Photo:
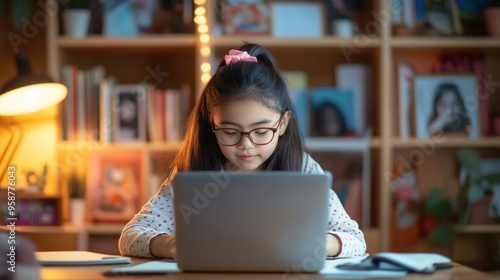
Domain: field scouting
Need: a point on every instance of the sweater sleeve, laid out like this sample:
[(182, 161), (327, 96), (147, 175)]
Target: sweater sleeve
[(156, 217), (339, 222), (341, 225)]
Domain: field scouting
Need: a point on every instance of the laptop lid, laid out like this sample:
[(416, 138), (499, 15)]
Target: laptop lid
[(259, 221)]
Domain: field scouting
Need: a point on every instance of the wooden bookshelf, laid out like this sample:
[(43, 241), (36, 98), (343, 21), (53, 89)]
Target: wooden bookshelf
[(180, 56)]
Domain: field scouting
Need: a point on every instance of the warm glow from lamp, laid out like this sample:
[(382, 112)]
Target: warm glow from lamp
[(29, 93), (31, 98), (25, 94), (199, 2)]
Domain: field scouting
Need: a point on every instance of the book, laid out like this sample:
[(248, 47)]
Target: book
[(406, 262), (405, 83), (297, 83), (357, 78), (70, 258), (151, 267)]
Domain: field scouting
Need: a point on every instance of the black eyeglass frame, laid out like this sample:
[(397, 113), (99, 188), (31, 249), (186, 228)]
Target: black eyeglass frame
[(247, 133)]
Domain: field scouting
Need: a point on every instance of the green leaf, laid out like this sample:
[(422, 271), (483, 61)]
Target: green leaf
[(462, 200), (443, 235), (433, 198), (468, 158), (476, 192), (493, 178), (441, 210)]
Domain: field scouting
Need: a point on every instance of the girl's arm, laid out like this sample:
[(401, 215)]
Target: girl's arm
[(153, 226), (340, 225), (344, 237)]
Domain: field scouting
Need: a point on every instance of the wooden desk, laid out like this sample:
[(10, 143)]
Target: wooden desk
[(458, 272)]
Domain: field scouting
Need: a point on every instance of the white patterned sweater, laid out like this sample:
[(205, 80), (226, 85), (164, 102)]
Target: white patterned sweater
[(157, 217)]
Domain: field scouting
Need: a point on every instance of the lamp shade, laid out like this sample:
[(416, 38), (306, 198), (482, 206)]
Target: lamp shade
[(28, 93)]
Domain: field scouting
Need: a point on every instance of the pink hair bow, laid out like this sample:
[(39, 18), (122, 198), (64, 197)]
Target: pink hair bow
[(236, 55)]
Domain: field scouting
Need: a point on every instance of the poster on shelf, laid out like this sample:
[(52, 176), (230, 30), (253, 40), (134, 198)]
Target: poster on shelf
[(446, 104), (333, 112), (114, 185), (297, 19), (245, 17)]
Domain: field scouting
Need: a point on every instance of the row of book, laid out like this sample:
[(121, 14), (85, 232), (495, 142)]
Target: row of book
[(99, 108)]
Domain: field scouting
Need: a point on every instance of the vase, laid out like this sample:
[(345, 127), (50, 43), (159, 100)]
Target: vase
[(492, 19), (76, 22), (77, 211)]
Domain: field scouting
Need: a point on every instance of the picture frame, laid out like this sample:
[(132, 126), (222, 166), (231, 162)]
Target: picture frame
[(247, 18), (129, 113), (114, 185), (297, 19), (446, 104), (332, 112)]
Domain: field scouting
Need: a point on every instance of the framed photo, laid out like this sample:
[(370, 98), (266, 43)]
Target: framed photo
[(114, 185), (239, 17), (129, 113), (332, 112), (297, 19), (446, 104)]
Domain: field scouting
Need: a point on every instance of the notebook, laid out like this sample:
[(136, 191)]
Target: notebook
[(63, 258), (251, 222)]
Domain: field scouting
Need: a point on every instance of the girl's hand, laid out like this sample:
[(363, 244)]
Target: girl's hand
[(163, 246), (333, 245)]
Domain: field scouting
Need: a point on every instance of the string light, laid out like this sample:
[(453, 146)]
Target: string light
[(204, 39)]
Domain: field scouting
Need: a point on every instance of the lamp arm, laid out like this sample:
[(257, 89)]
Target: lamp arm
[(12, 145)]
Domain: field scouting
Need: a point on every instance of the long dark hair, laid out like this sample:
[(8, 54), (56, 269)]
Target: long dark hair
[(239, 81)]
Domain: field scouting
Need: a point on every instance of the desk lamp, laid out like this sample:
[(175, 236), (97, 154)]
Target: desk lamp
[(26, 93)]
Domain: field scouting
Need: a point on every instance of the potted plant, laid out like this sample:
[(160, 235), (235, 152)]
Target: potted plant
[(76, 188), (438, 219), (76, 18), (476, 190)]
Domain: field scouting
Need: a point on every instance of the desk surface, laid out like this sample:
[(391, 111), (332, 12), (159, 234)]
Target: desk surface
[(458, 272)]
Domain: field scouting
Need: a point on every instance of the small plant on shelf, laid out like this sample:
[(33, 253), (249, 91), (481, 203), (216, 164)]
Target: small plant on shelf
[(438, 219), (76, 186), (476, 186)]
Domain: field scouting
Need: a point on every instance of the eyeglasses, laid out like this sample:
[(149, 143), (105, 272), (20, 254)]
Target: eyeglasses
[(258, 136)]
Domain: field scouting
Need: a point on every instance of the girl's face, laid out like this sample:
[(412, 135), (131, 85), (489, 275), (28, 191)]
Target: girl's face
[(447, 104), (245, 116)]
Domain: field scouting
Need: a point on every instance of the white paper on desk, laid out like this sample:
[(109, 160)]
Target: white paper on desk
[(162, 266), (333, 272)]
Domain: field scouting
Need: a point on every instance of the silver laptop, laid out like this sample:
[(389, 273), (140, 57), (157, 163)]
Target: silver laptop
[(251, 222)]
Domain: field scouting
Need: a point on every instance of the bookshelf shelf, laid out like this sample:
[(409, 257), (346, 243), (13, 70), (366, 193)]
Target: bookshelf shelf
[(493, 228), (341, 144), (449, 142), (69, 146), (329, 42), (444, 42), (140, 42)]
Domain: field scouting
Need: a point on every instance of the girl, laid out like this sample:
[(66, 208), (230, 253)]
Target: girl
[(243, 121)]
